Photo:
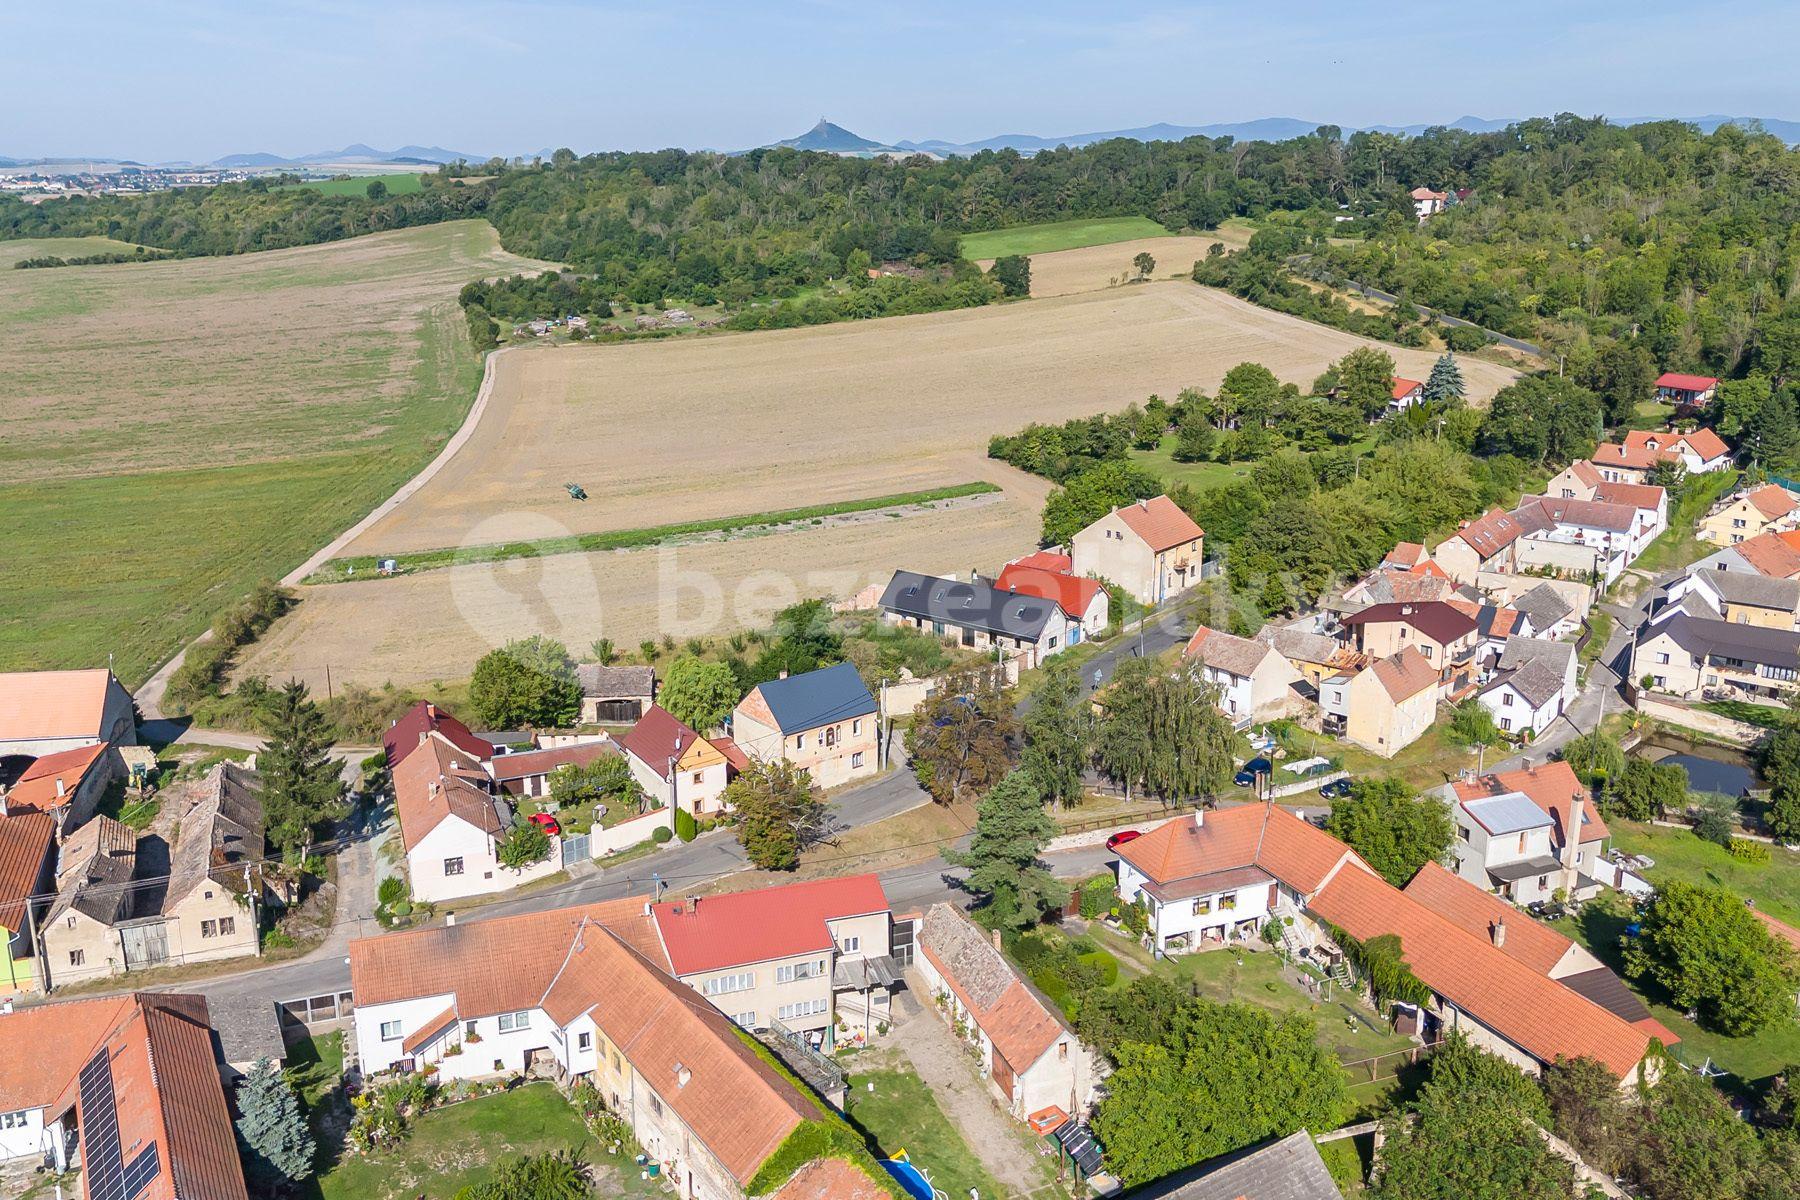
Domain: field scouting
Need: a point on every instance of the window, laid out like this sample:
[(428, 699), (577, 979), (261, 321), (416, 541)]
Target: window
[(77, 957), (469, 1029), (724, 985), (805, 1008), (1203, 906), (1506, 724), (851, 945), (516, 1020), (584, 1041), (805, 970), (453, 866), (1228, 902), (13, 1120), (390, 1031), (856, 727), (1462, 831), (209, 929), (1738, 522), (745, 1019), (1426, 648), (227, 926), (699, 778), (856, 760), (71, 920), (655, 1104), (1662, 658), (209, 893), (1062, 1050), (799, 741), (1506, 699)]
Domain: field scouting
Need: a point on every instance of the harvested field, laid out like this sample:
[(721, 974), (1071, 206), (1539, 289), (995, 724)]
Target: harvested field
[(1096, 268), (178, 430), (659, 432), (21, 249)]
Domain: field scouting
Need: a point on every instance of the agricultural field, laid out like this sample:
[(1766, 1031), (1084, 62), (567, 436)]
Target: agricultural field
[(358, 185), (1091, 267), (70, 247), (177, 430), (1058, 235), (672, 431)]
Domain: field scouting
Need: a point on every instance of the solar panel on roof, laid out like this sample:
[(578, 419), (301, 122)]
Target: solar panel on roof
[(142, 1171), (101, 1162)]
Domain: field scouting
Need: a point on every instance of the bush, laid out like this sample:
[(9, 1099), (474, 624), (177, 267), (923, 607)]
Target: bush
[(1098, 897), (685, 828), (661, 835), (1104, 964), (1747, 851)]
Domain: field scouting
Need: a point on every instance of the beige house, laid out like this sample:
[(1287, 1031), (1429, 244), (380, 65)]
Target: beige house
[(1743, 598), (1685, 651), (1484, 544), (1315, 656), (1029, 1056), (1253, 678), (1446, 635), (1391, 704), (824, 721), (42, 712), (807, 957), (675, 766), (1152, 549), (1762, 509)]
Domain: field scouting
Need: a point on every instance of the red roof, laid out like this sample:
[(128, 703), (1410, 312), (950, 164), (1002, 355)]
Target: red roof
[(405, 735), (1160, 522), (1771, 501), (1406, 555), (1636, 495), (542, 762), (1071, 593), (36, 789), (24, 846), (1045, 560), (739, 928), (1405, 387), (657, 738), (1298, 854), (1686, 383), (734, 756), (1469, 908), (1550, 787)]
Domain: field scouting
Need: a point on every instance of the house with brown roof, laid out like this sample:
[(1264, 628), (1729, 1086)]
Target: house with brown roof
[(676, 767), (1770, 553), (1315, 655), (1253, 678), (1025, 1049), (1699, 451), (422, 720), (27, 870), (1386, 706), (615, 695), (1739, 517), (1446, 634), (1151, 548), (42, 712), (527, 772), (451, 825), (585, 993), (1484, 544), (1507, 993), (128, 1085), (65, 784)]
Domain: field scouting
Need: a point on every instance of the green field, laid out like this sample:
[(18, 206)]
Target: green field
[(179, 430), (357, 185), (1197, 475), (896, 1111), (62, 247), (1059, 235)]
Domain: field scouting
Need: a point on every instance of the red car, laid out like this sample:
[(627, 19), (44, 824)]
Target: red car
[(547, 823), (1120, 838)]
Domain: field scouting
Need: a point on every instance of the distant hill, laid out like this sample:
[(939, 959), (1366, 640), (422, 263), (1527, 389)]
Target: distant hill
[(833, 139), (356, 152)]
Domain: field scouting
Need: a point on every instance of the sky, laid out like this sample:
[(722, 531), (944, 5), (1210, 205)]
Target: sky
[(161, 80)]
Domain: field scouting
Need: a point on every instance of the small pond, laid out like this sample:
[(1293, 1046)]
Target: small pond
[(1709, 768)]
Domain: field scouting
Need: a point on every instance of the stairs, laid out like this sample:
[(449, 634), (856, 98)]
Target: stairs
[(1341, 974)]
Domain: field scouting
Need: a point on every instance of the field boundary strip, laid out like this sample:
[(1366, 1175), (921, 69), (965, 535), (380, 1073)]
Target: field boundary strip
[(358, 567)]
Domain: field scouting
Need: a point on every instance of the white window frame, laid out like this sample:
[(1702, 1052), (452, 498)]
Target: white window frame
[(513, 1021), (391, 1031)]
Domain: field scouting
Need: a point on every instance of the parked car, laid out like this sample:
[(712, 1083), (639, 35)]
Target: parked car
[(1253, 768), (1336, 789), (547, 823), (1124, 835)]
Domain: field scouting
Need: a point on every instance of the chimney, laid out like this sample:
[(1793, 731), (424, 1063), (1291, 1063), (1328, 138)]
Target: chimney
[(996, 936), (646, 908), (1572, 841), (693, 904), (431, 710), (1498, 932), (784, 672), (1199, 817), (449, 920)]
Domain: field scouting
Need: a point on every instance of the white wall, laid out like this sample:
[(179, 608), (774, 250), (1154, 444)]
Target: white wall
[(629, 833), (482, 873), (25, 1139)]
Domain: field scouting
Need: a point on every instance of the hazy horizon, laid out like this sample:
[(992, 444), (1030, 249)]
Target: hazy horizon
[(200, 79)]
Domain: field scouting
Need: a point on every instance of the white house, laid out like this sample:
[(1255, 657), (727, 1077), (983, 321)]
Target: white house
[(1027, 1053), (1533, 685), (1512, 833), (1083, 601), (1427, 203), (675, 766), (451, 827), (1253, 677), (1152, 549)]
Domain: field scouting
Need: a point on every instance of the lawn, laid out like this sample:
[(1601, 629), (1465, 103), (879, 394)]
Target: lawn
[(1678, 546), (1198, 475), (183, 429), (1059, 235), (357, 185), (451, 1148), (902, 1114), (1679, 855), (1429, 762)]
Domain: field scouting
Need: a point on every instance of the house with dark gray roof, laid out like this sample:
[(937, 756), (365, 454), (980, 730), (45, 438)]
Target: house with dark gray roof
[(1533, 684), (615, 695), (1739, 597), (824, 721), (1686, 651), (1547, 611), (977, 615), (1286, 1169)]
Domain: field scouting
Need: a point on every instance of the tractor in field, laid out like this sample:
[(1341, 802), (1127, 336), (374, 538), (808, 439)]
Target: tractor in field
[(576, 491)]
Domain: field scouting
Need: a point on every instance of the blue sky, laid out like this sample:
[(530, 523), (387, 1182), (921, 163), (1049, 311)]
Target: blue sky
[(196, 79)]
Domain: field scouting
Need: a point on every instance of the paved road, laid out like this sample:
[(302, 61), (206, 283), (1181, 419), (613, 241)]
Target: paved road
[(1158, 633)]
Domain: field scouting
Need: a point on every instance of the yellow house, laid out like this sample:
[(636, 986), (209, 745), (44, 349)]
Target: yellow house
[(1392, 703), (1759, 510)]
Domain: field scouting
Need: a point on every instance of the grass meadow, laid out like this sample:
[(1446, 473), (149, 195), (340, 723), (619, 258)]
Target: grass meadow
[(1059, 235), (62, 247), (357, 185), (179, 430)]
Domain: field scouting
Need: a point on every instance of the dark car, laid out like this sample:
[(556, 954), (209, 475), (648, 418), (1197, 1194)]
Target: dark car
[(1335, 790), (1120, 838), (1253, 768)]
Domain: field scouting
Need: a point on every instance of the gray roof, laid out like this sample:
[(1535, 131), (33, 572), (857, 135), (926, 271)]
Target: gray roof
[(1543, 606), (1288, 1169), (249, 1029), (616, 683), (967, 605), (1512, 872), (94, 872), (802, 702), (221, 836), (1298, 643), (1537, 682), (1557, 656), (1511, 812), (1760, 591), (1710, 636), (967, 953), (1232, 654)]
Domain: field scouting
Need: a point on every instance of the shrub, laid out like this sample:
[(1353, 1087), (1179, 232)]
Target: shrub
[(661, 835), (1747, 851), (1098, 897), (685, 828), (1105, 964)]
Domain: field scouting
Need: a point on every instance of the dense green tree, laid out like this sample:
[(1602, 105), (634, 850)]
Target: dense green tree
[(1013, 273), (1774, 434), (1543, 419), (1595, 758), (1592, 1113), (524, 844), (1645, 791), (1396, 830), (553, 1175), (526, 683), (1366, 380), (1005, 872), (963, 738), (1195, 437), (1143, 1011), (1692, 1146), (377, 190), (1623, 375), (1738, 403), (1781, 767), (1445, 384), (1472, 727), (278, 1141), (1226, 1076), (1163, 735), (779, 811), (1058, 730), (575, 784), (1092, 494), (1713, 955), (1143, 264), (302, 785), (698, 693)]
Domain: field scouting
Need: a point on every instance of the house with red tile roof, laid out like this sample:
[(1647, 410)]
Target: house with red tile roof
[(1083, 601), (27, 869), (1700, 450), (1024, 1047), (409, 732), (451, 824), (1406, 556), (1406, 393), (67, 784), (808, 955), (1484, 544), (1686, 391), (587, 991), (1151, 548), (1512, 995), (675, 766), (1427, 203), (1512, 833), (129, 1084), (42, 712), (1742, 515), (527, 772)]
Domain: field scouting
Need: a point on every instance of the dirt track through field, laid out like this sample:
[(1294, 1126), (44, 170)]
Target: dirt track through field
[(705, 427)]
